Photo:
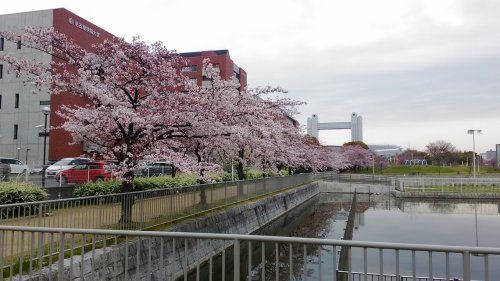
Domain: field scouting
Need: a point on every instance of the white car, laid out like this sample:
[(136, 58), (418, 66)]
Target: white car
[(16, 167), (64, 164)]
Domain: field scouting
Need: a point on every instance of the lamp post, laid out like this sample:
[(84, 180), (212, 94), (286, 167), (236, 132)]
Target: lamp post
[(46, 111), (27, 152), (473, 133)]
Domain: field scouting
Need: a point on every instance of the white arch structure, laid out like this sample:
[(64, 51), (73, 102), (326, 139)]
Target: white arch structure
[(355, 125)]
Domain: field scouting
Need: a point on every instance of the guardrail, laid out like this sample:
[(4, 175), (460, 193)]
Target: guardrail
[(146, 255), (449, 184), (364, 178), (137, 210)]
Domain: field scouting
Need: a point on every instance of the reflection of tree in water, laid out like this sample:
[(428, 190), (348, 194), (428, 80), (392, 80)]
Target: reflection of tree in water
[(442, 207), (317, 225)]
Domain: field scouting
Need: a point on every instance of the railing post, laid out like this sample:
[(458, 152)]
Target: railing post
[(40, 214), (60, 264), (466, 265), (236, 259)]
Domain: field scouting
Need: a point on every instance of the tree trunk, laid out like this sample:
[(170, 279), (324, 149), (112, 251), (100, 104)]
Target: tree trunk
[(239, 171), (203, 195), (127, 201), (239, 166)]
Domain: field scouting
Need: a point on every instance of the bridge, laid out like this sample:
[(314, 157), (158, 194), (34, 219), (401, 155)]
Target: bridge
[(355, 125)]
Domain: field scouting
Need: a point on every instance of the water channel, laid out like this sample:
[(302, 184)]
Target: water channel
[(378, 218)]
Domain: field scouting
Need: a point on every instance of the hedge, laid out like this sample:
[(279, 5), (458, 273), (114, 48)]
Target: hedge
[(12, 192), (160, 182), (115, 186)]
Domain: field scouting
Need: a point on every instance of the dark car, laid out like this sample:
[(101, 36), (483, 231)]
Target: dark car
[(157, 169)]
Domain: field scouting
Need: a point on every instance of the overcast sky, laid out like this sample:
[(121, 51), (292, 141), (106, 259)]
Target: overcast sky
[(417, 71)]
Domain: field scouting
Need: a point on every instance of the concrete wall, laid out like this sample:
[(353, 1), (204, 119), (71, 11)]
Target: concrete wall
[(29, 114), (244, 219)]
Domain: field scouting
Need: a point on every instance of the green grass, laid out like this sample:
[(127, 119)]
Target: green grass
[(433, 170)]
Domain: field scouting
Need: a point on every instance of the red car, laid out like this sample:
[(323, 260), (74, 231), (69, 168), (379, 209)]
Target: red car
[(96, 171)]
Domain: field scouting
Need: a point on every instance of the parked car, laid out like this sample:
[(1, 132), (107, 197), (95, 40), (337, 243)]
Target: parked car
[(16, 167), (157, 168), (95, 171), (64, 164)]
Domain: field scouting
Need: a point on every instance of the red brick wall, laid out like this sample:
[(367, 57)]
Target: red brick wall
[(59, 139), (225, 65)]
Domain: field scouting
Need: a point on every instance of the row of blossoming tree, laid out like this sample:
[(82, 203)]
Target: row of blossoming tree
[(140, 106)]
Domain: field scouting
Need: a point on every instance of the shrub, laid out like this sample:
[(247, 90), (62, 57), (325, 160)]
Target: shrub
[(102, 188), (115, 186), (19, 192)]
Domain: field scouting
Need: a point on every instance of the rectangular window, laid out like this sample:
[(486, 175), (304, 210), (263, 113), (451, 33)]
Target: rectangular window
[(16, 102), (191, 68), (2, 42), (44, 102), (0, 101), (1, 71), (15, 131), (19, 44)]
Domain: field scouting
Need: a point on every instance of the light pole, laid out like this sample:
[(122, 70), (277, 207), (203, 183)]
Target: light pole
[(473, 133), (46, 111), (27, 151)]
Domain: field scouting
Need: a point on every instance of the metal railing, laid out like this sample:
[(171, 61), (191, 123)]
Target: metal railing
[(91, 254), (364, 178), (141, 209), (448, 184)]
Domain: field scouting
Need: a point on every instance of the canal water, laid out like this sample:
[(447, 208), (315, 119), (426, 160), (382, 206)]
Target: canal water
[(377, 218)]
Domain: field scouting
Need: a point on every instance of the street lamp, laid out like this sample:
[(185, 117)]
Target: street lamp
[(27, 152), (46, 111), (473, 133)]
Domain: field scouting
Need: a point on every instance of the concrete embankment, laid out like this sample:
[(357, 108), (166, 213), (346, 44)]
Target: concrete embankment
[(164, 259)]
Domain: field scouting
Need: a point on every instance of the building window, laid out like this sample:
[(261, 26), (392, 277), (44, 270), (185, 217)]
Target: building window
[(16, 102), (2, 42), (19, 44), (0, 101), (15, 131), (1, 71), (191, 68), (44, 102)]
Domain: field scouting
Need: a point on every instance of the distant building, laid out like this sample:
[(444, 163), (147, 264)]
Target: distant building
[(220, 59), (386, 150), (490, 154), (498, 154)]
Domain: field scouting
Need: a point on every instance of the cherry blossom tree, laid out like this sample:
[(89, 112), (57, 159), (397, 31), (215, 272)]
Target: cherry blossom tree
[(357, 157), (139, 106), (134, 106)]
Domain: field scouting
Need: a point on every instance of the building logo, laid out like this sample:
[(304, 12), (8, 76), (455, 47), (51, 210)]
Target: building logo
[(83, 27)]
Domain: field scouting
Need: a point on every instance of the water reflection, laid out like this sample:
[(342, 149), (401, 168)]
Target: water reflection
[(377, 218)]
